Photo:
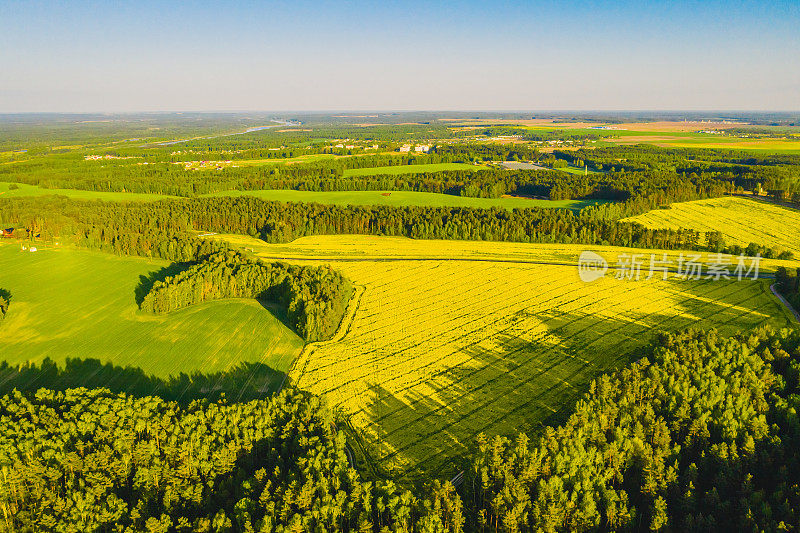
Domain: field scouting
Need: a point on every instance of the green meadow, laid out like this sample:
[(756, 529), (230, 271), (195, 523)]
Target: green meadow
[(24, 189), (679, 139), (406, 198), (410, 169), (391, 198), (70, 303), (576, 170)]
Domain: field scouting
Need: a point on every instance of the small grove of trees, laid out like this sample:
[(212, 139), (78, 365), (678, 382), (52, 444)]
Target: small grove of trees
[(315, 298), (5, 297), (784, 196)]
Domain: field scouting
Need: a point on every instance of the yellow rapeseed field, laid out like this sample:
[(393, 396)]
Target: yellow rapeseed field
[(441, 347), (741, 221)]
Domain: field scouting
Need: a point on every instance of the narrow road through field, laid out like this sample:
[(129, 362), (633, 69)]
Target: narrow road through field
[(344, 259), (784, 302), (766, 200)]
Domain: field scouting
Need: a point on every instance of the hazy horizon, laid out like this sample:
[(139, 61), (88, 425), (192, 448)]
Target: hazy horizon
[(94, 57)]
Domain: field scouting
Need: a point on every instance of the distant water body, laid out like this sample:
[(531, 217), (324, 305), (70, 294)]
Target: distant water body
[(248, 130)]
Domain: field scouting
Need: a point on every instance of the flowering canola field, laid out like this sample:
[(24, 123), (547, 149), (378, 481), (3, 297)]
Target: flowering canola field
[(438, 350), (740, 220)]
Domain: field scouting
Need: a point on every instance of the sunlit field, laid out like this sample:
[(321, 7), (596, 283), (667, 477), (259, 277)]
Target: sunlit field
[(403, 198), (9, 190), (410, 169), (441, 348), (68, 303), (741, 221)]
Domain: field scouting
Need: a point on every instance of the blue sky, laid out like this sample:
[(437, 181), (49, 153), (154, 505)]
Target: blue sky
[(150, 56)]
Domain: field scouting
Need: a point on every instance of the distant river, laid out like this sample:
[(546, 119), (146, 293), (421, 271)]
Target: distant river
[(248, 130)]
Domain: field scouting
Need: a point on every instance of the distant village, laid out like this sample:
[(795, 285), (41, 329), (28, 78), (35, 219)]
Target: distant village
[(422, 148), (13, 233)]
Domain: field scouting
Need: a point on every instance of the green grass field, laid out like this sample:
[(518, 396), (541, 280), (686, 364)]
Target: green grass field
[(411, 169), (578, 171), (734, 143), (672, 137), (391, 198), (69, 303), (404, 198), (741, 221), (693, 139), (447, 340), (280, 161), (34, 190)]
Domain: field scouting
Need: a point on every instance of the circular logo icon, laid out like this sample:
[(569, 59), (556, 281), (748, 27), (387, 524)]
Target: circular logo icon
[(591, 266)]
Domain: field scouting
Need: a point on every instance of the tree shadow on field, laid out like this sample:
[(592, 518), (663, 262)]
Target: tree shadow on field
[(5, 300), (146, 282), (247, 381), (516, 384), (278, 311)]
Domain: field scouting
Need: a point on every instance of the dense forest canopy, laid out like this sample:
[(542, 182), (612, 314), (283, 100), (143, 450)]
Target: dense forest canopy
[(90, 460), (701, 435)]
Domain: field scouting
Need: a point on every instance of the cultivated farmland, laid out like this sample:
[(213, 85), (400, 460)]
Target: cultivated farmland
[(403, 198), (439, 349), (392, 198), (23, 189), (741, 221), (71, 303), (410, 169)]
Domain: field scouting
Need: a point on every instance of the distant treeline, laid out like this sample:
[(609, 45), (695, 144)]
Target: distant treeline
[(739, 169), (160, 176), (626, 169), (537, 134), (486, 152), (494, 183), (315, 298), (163, 228)]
